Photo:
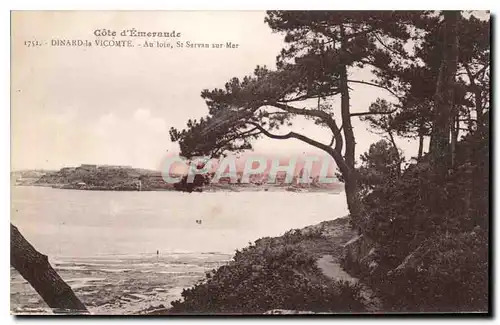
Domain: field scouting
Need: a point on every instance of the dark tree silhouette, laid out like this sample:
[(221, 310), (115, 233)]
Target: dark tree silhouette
[(36, 269), (312, 69)]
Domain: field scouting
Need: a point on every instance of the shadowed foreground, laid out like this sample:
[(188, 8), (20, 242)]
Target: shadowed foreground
[(36, 269)]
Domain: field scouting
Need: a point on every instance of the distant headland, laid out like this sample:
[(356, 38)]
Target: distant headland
[(127, 178)]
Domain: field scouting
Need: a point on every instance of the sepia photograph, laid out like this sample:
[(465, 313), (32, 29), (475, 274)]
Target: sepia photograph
[(321, 162)]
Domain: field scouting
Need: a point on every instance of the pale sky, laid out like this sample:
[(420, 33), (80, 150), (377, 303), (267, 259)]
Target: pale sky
[(74, 105)]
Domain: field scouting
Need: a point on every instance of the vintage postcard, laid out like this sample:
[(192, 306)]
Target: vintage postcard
[(250, 162)]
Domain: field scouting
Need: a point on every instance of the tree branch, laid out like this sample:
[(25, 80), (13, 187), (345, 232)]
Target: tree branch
[(363, 32), (307, 96), (337, 156), (331, 141), (386, 46), (481, 70), (470, 75), (241, 135), (374, 85), (374, 113), (325, 117)]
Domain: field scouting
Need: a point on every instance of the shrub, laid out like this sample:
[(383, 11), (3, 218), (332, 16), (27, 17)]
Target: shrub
[(272, 274), (451, 275), (438, 220)]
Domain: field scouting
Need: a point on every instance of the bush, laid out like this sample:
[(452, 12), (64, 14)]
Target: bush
[(272, 274), (450, 276), (431, 227)]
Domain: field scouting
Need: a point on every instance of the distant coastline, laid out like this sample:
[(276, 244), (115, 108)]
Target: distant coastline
[(126, 178)]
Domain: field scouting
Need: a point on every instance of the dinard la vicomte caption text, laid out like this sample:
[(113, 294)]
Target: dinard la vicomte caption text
[(127, 38)]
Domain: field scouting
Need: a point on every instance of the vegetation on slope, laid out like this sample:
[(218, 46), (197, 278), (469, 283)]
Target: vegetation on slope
[(430, 230), (275, 273), (422, 228)]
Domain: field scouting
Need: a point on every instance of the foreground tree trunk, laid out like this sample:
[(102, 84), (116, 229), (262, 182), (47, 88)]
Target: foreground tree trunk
[(36, 269), (351, 177), (443, 99), (421, 133), (455, 128)]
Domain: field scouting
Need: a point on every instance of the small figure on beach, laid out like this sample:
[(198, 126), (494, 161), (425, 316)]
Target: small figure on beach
[(157, 252), (198, 222)]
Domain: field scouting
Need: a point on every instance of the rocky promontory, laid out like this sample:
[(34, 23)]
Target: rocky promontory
[(104, 177)]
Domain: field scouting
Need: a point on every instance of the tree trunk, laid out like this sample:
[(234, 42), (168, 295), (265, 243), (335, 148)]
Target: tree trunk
[(350, 143), (351, 179), (36, 269), (421, 138), (479, 207), (400, 159), (454, 138), (479, 109), (420, 146), (443, 98), (352, 195)]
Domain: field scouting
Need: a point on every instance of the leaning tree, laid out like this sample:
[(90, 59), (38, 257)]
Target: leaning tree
[(313, 68), (36, 269)]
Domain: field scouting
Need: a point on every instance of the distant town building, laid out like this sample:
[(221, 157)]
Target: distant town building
[(115, 166), (87, 167)]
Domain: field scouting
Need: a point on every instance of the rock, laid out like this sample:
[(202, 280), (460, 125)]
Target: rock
[(361, 255)]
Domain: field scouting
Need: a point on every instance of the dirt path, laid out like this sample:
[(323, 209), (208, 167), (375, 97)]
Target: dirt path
[(332, 269)]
